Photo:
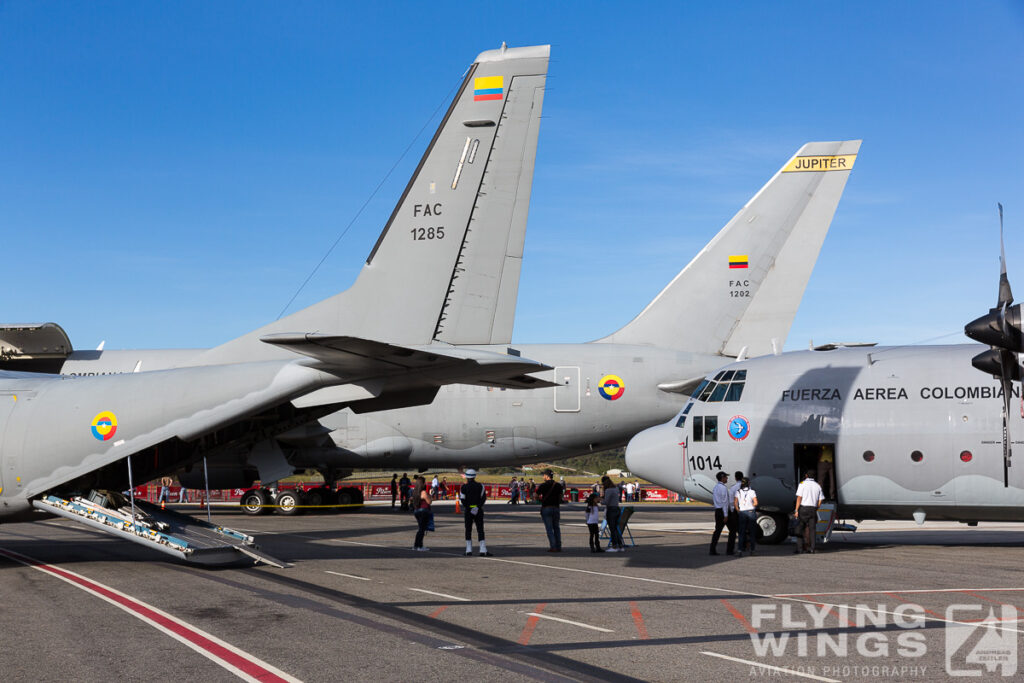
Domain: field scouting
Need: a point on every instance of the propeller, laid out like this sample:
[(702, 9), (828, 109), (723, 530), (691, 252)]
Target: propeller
[(1001, 329)]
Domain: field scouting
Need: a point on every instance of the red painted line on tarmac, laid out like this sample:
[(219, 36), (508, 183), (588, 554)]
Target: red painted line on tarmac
[(436, 613), (638, 619), (739, 617), (237, 662), (897, 597), (831, 608), (997, 602), (531, 623)]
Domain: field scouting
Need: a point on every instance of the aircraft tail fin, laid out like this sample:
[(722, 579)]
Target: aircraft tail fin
[(446, 266), (743, 289)]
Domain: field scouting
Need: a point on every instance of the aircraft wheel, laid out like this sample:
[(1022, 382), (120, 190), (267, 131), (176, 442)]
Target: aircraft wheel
[(254, 503), (288, 503), (315, 497), (349, 495), (772, 529)]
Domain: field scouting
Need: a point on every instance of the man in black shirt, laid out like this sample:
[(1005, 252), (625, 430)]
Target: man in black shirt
[(403, 487), (473, 496), (550, 494), (394, 489)]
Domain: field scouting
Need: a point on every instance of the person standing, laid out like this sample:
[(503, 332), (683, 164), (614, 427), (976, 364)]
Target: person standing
[(808, 498), (424, 516), (513, 492), (826, 472), (473, 496), (403, 486), (720, 499), (593, 517), (394, 489), (733, 520), (165, 490), (745, 503), (182, 494), (612, 513), (550, 494)]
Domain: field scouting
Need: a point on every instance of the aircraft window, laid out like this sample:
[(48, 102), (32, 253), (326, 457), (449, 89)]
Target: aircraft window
[(741, 375), (917, 456), (869, 456), (698, 428), (700, 388), (718, 377), (711, 429), (719, 392), (965, 456), (735, 391), (704, 395), (687, 408), (727, 377), (681, 421)]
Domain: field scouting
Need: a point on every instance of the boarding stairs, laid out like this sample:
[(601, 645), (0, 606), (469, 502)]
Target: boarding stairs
[(167, 531)]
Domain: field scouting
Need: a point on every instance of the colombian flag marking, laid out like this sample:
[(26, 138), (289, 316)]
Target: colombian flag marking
[(488, 88), (738, 261)]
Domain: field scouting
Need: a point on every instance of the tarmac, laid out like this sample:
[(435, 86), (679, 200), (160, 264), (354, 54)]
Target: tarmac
[(892, 601)]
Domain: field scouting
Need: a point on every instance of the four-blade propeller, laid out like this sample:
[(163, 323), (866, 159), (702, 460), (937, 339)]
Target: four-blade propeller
[(1001, 329)]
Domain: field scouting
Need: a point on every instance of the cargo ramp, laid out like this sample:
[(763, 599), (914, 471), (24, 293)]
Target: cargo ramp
[(170, 532)]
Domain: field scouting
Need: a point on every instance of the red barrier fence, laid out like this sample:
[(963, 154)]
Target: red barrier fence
[(377, 491)]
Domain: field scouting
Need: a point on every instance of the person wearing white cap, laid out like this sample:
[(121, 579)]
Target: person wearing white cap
[(472, 495)]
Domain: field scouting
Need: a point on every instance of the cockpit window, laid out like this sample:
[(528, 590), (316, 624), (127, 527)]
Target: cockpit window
[(719, 375), (700, 388), (681, 421), (687, 408), (719, 393), (706, 394), (735, 391), (698, 428), (728, 375), (741, 375)]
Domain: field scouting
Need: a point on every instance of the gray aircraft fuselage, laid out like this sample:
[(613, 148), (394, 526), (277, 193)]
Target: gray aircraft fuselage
[(479, 425), (914, 429)]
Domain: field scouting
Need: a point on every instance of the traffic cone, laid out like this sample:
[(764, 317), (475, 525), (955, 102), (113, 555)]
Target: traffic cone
[(458, 507), (163, 504)]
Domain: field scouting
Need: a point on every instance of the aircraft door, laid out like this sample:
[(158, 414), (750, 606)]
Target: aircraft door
[(7, 400), (524, 441), (567, 393)]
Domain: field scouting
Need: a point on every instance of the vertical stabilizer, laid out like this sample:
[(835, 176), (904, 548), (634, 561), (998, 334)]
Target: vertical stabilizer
[(744, 287), (446, 265)]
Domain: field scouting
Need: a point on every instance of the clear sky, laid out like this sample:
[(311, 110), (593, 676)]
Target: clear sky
[(170, 173)]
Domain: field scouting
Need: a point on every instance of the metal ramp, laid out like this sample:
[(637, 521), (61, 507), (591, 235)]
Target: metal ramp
[(170, 532), (826, 522)]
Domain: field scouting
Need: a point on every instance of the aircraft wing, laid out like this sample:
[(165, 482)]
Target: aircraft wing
[(365, 360)]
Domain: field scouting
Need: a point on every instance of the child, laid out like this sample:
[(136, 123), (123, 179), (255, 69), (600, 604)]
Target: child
[(593, 519)]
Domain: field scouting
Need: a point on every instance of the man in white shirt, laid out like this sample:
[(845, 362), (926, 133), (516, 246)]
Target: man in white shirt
[(629, 492), (808, 498), (720, 499)]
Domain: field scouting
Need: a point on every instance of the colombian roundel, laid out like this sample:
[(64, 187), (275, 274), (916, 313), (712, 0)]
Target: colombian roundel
[(104, 426), (739, 428), (611, 387)]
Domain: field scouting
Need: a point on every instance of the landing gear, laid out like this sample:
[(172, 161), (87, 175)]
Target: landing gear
[(289, 502), (255, 502), (772, 528)]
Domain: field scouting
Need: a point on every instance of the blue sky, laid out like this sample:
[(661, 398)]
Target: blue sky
[(171, 172)]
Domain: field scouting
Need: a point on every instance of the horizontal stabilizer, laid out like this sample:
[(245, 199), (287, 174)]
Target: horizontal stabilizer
[(355, 358), (682, 386)]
